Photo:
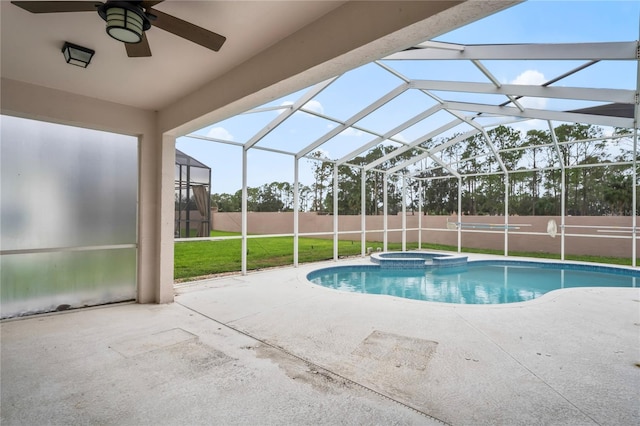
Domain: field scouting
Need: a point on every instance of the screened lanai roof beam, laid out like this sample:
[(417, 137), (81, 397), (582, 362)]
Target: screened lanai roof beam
[(439, 45), (624, 50), (569, 73), (419, 158), (354, 119), (240, 144), (415, 143), (571, 142), (556, 145), (492, 147), (470, 122), (430, 177), (495, 152), (435, 45), (392, 71), (353, 126), (381, 138), (483, 154), (340, 123), (455, 140), (495, 82), (543, 169), (447, 144), (541, 114), (217, 140), (502, 121), (553, 80), (310, 94), (561, 76), (415, 175), (265, 109), (409, 162), (520, 90)]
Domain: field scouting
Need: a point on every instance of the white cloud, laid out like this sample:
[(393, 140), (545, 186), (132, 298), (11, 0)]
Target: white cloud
[(220, 133), (314, 106), (350, 131), (530, 77), (533, 78)]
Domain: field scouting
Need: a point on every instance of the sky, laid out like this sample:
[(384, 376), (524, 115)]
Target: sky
[(529, 22)]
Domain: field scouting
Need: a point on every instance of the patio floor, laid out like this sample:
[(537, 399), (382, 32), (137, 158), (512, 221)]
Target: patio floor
[(271, 348)]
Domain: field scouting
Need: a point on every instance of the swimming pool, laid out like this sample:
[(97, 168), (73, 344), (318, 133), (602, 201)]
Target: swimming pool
[(479, 282)]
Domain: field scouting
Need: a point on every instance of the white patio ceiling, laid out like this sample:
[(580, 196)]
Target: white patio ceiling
[(457, 109), (176, 69)]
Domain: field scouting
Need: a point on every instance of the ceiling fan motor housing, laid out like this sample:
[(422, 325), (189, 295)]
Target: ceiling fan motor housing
[(126, 21)]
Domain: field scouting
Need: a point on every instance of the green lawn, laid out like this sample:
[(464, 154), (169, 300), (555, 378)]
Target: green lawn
[(200, 258)]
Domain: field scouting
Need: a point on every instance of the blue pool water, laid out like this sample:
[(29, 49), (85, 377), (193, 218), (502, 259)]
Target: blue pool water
[(480, 282)]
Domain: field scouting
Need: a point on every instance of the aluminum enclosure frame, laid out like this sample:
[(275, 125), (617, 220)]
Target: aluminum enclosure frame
[(613, 108)]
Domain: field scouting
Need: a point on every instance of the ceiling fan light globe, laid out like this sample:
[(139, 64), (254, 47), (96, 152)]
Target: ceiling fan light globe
[(124, 25)]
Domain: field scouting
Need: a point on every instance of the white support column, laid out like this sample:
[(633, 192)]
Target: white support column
[(335, 212), (243, 269), (404, 213), (384, 209), (554, 138), (459, 215), (634, 197), (296, 209), (562, 212), (506, 214), (634, 200), (363, 212), (419, 215)]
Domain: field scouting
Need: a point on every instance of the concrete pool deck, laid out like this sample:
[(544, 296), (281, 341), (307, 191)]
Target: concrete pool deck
[(272, 348)]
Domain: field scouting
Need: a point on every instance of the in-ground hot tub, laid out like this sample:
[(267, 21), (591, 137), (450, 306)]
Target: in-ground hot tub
[(416, 259)]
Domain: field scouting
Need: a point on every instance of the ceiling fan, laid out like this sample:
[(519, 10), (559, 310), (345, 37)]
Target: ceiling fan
[(127, 22)]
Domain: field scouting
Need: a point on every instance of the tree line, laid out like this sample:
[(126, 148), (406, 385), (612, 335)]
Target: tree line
[(533, 184)]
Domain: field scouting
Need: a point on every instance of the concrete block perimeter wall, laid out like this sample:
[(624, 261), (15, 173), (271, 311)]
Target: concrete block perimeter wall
[(435, 230)]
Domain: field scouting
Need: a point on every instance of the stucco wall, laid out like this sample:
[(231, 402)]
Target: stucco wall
[(435, 230)]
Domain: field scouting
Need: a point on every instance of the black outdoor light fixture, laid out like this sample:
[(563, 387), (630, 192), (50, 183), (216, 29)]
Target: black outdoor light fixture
[(77, 55), (126, 21)]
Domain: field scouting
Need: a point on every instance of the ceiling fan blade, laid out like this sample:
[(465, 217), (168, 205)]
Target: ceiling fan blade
[(149, 3), (187, 30), (138, 50), (58, 6)]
